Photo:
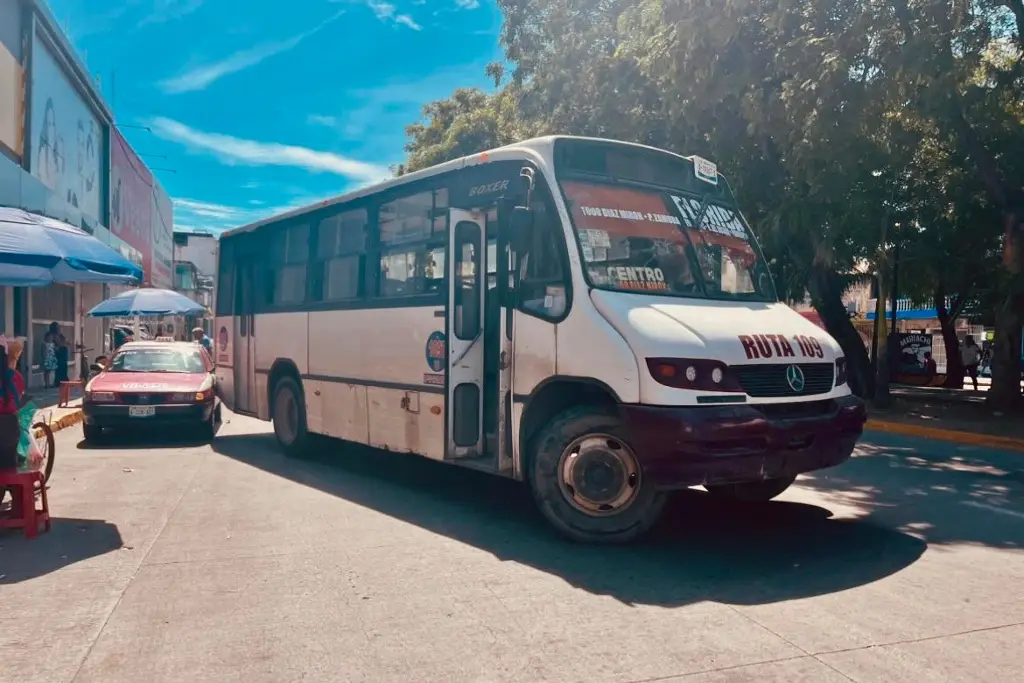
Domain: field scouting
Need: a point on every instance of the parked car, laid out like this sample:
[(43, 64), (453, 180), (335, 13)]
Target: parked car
[(153, 384)]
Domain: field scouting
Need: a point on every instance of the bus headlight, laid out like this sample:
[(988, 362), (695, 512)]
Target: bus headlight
[(693, 374), (841, 375)]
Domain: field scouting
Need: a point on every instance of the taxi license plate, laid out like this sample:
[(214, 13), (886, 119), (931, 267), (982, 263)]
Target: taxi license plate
[(141, 411)]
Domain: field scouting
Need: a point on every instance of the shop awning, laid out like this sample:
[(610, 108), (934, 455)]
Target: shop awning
[(36, 251)]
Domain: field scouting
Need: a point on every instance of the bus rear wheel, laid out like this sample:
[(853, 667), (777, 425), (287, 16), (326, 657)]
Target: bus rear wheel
[(751, 491), (587, 481), (289, 416)]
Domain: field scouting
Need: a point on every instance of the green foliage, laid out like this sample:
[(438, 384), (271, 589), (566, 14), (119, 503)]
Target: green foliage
[(846, 127)]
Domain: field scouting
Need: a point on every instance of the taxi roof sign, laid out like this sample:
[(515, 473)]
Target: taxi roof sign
[(705, 170), (164, 339)]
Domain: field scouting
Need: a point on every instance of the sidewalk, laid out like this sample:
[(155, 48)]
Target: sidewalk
[(948, 415)]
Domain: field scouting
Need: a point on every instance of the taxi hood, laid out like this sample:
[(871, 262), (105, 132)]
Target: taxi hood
[(733, 332), (129, 382)]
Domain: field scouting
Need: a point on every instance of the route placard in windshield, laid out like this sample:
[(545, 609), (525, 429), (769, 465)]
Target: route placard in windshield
[(646, 240)]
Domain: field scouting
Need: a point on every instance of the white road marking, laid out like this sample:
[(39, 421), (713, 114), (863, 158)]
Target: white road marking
[(993, 508)]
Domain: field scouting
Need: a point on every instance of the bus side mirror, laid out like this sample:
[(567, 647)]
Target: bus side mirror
[(520, 229)]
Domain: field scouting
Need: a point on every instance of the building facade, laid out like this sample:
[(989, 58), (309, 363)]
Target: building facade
[(195, 269), (61, 156)]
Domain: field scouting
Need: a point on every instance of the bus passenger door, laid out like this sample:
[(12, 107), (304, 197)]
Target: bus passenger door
[(499, 360), (244, 338), (467, 279)]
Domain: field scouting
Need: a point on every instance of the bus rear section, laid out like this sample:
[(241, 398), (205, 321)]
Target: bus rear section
[(591, 317)]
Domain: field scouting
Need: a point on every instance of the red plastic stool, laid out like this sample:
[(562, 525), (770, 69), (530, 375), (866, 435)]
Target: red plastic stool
[(24, 514)]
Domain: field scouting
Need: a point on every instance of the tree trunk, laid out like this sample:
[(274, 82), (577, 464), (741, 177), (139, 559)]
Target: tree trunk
[(1004, 394), (947, 321), (880, 395), (826, 290)]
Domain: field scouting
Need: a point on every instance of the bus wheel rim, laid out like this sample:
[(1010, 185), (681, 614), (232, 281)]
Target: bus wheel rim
[(286, 416), (599, 475)]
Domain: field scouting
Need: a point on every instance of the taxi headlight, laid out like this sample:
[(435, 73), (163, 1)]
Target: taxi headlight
[(192, 396), (100, 396)]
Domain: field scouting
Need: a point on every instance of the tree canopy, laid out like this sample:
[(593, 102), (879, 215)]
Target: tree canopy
[(856, 133)]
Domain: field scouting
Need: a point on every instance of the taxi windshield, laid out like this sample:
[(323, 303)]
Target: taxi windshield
[(158, 360)]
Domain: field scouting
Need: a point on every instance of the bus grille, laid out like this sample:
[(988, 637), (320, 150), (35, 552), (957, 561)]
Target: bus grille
[(769, 381)]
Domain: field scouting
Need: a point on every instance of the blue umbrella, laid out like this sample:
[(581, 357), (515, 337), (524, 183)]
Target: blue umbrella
[(36, 251), (147, 302)]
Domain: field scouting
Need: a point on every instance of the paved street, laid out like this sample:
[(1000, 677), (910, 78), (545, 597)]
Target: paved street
[(231, 563)]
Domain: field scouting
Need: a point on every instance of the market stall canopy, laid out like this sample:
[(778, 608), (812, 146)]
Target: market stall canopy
[(36, 251), (147, 302)]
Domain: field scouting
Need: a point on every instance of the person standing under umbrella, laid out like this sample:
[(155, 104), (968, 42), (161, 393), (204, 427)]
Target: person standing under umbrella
[(50, 355), (55, 356), (12, 387)]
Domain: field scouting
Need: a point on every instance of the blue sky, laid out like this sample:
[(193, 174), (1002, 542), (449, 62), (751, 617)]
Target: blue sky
[(265, 105)]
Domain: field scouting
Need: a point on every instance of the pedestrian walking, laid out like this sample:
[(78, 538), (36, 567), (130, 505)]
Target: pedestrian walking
[(970, 356)]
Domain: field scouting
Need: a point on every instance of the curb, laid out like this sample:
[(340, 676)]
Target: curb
[(950, 435), (63, 422)]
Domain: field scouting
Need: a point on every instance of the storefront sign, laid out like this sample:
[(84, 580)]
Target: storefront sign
[(131, 191), (67, 139)]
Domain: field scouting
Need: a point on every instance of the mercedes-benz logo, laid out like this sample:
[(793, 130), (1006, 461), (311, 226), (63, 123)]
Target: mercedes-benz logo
[(795, 378)]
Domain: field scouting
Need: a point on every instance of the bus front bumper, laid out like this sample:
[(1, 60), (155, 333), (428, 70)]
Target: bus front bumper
[(681, 446)]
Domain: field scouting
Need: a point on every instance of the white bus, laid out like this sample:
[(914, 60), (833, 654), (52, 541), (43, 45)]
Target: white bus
[(592, 317)]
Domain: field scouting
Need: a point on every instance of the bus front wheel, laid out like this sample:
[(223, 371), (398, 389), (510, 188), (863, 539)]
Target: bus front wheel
[(289, 415), (587, 480)]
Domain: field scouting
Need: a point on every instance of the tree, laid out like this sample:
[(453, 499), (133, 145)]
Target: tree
[(835, 120), (468, 122)]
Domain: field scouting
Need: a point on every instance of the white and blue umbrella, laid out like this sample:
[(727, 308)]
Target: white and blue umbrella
[(146, 303), (36, 251)]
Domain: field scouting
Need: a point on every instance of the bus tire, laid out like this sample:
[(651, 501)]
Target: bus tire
[(751, 491), (616, 505), (289, 417)]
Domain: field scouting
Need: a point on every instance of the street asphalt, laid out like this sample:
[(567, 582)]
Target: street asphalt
[(174, 561)]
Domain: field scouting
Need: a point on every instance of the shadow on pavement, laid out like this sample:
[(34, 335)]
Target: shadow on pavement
[(69, 541), (942, 492), (163, 437), (703, 550)]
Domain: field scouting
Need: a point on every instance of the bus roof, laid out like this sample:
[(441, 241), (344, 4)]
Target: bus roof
[(517, 150)]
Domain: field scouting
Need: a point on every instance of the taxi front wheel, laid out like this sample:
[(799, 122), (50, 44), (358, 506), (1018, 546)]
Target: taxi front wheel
[(91, 433)]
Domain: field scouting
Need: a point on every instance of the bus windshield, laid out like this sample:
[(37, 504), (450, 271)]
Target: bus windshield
[(665, 242)]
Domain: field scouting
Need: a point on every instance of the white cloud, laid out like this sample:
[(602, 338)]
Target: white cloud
[(321, 120), (237, 151), (198, 78), (385, 11), (468, 4), (169, 10), (195, 207), (408, 21), (195, 214)]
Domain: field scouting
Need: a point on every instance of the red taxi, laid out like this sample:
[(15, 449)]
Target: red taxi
[(153, 384)]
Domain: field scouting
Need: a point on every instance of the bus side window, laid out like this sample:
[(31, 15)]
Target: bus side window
[(543, 291)]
